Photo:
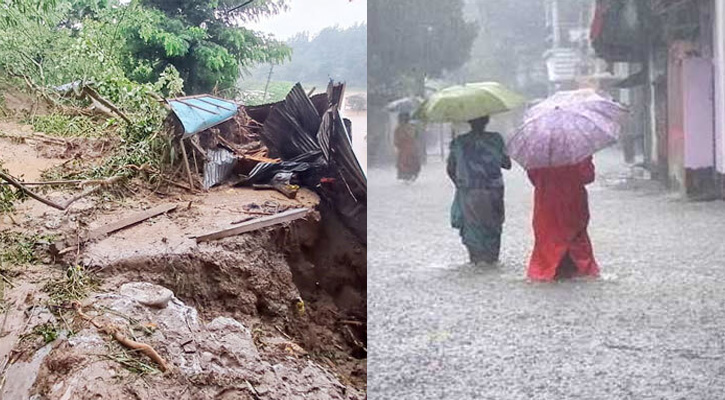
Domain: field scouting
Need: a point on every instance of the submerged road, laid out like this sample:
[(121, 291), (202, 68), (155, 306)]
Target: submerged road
[(653, 327)]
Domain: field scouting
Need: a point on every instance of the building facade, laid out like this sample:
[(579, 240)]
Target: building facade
[(675, 50)]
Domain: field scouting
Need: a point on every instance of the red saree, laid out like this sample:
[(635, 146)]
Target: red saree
[(561, 217)]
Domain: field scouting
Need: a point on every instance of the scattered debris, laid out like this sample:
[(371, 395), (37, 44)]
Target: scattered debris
[(260, 272), (267, 208), (281, 182)]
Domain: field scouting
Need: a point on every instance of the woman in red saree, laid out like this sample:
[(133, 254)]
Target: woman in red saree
[(561, 217), (406, 144)]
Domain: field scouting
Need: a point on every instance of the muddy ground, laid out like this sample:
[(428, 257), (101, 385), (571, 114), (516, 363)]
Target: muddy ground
[(275, 314)]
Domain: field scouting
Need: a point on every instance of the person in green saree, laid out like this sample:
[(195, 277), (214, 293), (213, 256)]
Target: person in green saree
[(474, 165)]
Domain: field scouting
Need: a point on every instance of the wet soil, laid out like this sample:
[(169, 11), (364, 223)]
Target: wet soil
[(284, 347), (20, 159)]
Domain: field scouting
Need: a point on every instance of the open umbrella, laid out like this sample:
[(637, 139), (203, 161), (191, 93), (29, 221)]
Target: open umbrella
[(588, 99), (405, 105), (564, 130), (470, 101)]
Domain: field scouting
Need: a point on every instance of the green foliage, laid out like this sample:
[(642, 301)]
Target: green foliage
[(131, 53), (252, 92), (69, 126), (75, 285), (202, 41), (101, 40), (133, 362), (139, 155), (47, 331), (18, 248)]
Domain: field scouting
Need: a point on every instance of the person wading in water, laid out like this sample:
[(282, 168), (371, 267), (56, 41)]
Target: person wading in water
[(406, 145), (474, 166), (561, 216)]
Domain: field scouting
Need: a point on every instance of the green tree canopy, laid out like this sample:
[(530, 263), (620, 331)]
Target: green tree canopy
[(57, 41), (203, 39)]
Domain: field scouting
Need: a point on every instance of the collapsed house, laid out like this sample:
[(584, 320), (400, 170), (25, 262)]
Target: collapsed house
[(300, 141)]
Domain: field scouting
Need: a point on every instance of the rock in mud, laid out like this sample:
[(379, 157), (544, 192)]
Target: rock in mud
[(219, 357), (147, 294)]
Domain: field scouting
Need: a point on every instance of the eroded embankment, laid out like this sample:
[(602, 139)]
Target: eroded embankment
[(233, 325)]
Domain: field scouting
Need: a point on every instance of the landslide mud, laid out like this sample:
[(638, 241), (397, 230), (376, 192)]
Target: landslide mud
[(233, 329), (259, 279)]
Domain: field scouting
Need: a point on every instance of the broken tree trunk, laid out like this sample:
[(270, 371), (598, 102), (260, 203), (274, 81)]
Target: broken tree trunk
[(259, 223)]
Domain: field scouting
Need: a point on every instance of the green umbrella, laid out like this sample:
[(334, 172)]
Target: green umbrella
[(470, 101)]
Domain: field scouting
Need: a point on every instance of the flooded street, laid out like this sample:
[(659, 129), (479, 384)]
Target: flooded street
[(650, 328)]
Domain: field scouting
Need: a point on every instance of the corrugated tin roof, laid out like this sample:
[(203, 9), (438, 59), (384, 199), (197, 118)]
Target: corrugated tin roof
[(219, 166), (198, 113)]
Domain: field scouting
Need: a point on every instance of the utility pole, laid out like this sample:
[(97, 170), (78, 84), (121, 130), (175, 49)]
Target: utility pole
[(266, 86), (555, 23), (556, 37)]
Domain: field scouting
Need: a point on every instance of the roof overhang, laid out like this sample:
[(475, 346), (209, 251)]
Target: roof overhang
[(199, 113)]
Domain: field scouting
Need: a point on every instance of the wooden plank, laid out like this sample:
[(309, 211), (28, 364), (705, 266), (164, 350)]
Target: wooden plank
[(107, 229), (130, 220), (186, 164), (258, 223)]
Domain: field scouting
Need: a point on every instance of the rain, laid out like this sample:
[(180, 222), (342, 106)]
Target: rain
[(593, 267)]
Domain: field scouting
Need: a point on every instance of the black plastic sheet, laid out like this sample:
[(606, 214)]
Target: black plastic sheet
[(314, 142)]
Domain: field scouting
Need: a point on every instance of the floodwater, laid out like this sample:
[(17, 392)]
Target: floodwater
[(651, 328), (359, 121)]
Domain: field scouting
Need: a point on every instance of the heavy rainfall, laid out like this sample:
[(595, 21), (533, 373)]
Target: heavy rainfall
[(546, 186)]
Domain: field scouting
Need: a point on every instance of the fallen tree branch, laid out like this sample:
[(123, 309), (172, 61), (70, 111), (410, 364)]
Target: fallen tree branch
[(114, 331), (52, 183), (51, 203), (92, 190), (36, 136), (177, 184), (100, 99)]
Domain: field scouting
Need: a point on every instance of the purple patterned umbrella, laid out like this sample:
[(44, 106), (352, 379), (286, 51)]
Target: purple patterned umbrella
[(579, 99), (565, 129)]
